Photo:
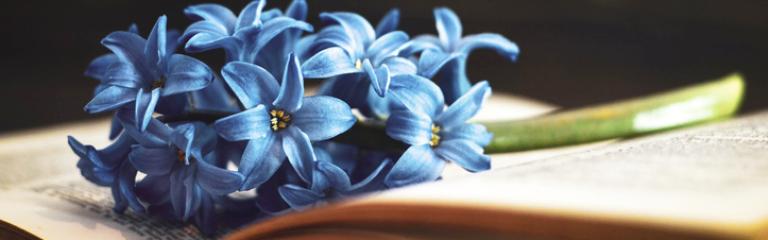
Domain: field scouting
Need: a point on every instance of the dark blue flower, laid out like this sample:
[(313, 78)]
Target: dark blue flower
[(329, 182), (147, 71), (278, 121), (444, 57), (352, 47), (110, 167), (436, 134), (181, 168)]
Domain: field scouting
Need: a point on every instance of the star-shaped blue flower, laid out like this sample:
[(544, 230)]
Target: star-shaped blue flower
[(352, 47), (436, 134), (444, 57), (147, 71), (110, 167), (279, 121)]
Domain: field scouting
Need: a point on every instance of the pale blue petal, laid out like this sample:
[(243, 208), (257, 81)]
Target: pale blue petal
[(323, 117), (186, 74), (270, 14), (448, 26), (291, 95), (493, 41), (389, 22), (111, 98), (386, 46), (261, 159), (123, 74), (205, 27), (299, 151), (328, 63), (474, 132), (250, 15), (297, 10), (249, 124), (466, 106), (304, 47), (145, 106), (418, 164), (336, 177), (351, 88), (205, 41), (217, 181), (354, 24), (98, 66), (213, 13), (399, 65), (335, 36), (421, 43), (367, 183), (251, 84), (269, 30), (432, 61), (465, 153), (417, 94), (452, 79), (153, 161), (298, 197), (379, 77), (409, 127), (155, 49)]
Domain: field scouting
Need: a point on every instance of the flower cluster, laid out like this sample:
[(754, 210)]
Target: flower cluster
[(192, 143)]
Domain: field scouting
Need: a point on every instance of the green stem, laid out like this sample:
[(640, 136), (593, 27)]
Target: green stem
[(691, 105)]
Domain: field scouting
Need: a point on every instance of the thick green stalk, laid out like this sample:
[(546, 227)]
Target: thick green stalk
[(691, 105), (696, 104)]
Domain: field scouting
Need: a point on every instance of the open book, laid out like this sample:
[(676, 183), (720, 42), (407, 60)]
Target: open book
[(708, 182)]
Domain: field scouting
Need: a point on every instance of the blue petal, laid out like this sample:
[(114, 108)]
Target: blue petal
[(126, 180), (213, 13), (205, 27), (98, 66), (185, 196), (330, 62), (270, 14), (292, 88), (367, 183), (250, 15), (452, 79), (186, 74), (335, 176), (418, 164), (251, 84), (474, 132), (155, 49), (154, 189), (115, 128), (129, 47), (399, 65), (465, 153), (410, 127), (123, 74), (111, 98), (153, 161), (323, 117), (389, 22), (466, 106), (421, 43), (417, 94), (335, 36), (145, 106), (351, 88), (303, 47), (386, 46), (497, 42), (298, 197), (299, 151), (297, 10), (379, 77), (431, 61), (448, 26), (256, 40), (249, 124), (210, 99), (261, 159), (354, 24), (156, 134), (217, 181), (205, 41)]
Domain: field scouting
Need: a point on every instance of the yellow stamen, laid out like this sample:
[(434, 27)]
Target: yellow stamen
[(358, 64), (435, 136), (280, 119)]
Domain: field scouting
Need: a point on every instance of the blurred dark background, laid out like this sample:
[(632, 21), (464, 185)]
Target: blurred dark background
[(574, 53)]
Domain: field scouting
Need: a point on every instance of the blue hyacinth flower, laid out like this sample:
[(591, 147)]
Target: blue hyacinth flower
[(242, 37), (110, 167), (182, 169), (147, 73), (436, 134), (351, 48), (444, 57), (331, 181), (279, 121)]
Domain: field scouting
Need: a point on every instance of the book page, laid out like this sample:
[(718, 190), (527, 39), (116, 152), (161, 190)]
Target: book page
[(42, 192)]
